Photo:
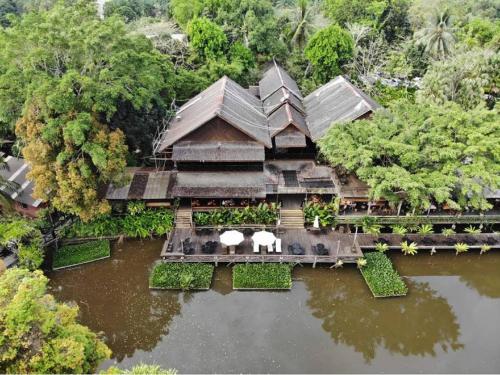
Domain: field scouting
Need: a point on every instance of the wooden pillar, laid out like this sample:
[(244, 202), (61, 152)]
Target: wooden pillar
[(368, 212), (400, 204), (216, 261), (315, 259)]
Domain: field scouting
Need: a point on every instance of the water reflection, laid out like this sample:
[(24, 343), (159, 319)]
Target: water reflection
[(327, 323), (478, 272), (409, 326), (116, 299)]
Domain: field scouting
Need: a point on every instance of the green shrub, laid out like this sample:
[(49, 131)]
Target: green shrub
[(381, 277), (369, 224), (262, 276), (325, 211), (261, 214), (71, 255), (136, 207), (137, 223), (181, 276), (25, 239)]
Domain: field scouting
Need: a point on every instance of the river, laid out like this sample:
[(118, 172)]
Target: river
[(328, 322)]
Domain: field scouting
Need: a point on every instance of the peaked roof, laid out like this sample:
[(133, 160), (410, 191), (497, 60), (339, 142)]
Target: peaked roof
[(280, 96), (280, 105), (274, 79), (224, 99), (15, 172), (338, 100), (283, 117)]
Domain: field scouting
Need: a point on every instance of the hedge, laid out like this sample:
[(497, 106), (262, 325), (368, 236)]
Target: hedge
[(181, 276), (262, 276), (143, 224), (72, 255), (382, 279)]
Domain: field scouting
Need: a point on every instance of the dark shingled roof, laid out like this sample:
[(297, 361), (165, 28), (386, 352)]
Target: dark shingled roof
[(275, 78), (219, 185), (290, 137), (15, 172), (144, 184), (224, 99), (157, 185), (337, 101), (218, 151), (284, 116), (279, 97)]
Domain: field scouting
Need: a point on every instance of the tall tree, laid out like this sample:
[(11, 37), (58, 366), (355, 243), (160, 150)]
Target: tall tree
[(422, 154), (438, 36), (40, 335), (63, 87), (302, 23), (328, 51), (464, 79)]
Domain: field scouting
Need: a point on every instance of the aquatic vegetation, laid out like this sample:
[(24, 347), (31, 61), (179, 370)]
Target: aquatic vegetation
[(262, 276), (183, 276), (71, 255), (381, 277)]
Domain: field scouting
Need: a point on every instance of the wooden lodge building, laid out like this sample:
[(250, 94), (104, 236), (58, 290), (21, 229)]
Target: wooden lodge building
[(230, 143)]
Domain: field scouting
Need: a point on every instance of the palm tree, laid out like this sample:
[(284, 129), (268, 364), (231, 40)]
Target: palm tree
[(302, 23), (438, 35)]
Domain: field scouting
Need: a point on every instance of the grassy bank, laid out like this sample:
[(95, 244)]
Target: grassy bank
[(262, 276), (181, 276), (381, 277), (72, 255)]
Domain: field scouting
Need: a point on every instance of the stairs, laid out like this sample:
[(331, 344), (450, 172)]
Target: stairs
[(183, 218), (292, 219)]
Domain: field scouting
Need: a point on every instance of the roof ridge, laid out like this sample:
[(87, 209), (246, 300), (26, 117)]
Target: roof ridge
[(222, 95)]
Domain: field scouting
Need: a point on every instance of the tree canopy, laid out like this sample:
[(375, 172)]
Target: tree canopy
[(40, 335), (63, 87), (464, 79), (328, 50), (421, 154)]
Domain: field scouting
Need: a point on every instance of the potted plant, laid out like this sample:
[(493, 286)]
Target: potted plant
[(409, 248), (461, 247)]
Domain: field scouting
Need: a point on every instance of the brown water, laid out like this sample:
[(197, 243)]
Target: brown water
[(328, 322)]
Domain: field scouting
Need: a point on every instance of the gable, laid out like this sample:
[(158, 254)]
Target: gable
[(216, 129)]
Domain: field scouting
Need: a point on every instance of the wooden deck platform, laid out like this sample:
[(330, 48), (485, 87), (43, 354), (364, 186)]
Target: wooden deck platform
[(341, 246)]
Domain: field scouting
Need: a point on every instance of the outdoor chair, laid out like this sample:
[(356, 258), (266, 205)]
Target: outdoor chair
[(209, 247), (270, 248), (296, 249), (320, 249), (278, 245)]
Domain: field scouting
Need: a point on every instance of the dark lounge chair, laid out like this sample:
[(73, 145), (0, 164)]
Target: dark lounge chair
[(320, 249), (296, 249)]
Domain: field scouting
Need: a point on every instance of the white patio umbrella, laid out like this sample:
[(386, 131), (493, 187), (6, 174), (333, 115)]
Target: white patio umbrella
[(263, 238), (231, 238)]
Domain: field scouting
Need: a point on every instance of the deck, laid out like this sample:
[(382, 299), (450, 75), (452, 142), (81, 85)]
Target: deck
[(341, 247)]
